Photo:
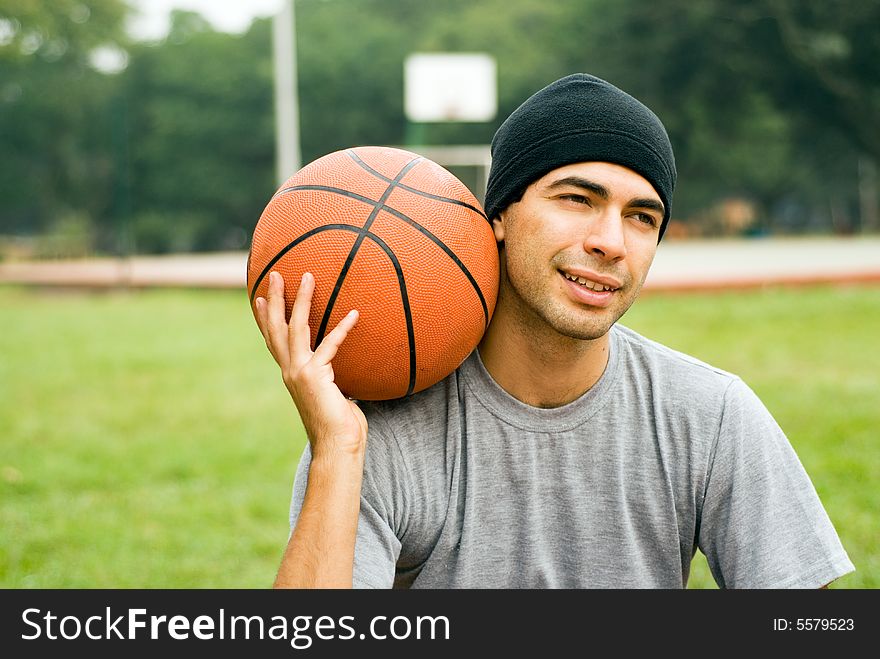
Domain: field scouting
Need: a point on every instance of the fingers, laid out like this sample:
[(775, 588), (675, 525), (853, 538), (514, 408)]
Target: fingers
[(262, 320), (300, 336), (276, 322), (325, 352), (291, 342)]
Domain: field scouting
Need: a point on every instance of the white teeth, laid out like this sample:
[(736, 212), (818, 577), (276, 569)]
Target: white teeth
[(596, 286)]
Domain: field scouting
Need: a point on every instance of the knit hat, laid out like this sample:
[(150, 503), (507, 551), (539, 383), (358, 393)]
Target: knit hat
[(578, 118)]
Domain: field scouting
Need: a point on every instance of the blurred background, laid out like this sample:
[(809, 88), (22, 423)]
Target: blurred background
[(146, 438), (117, 136)]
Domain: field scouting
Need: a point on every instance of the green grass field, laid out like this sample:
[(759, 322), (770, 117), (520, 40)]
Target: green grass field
[(147, 440)]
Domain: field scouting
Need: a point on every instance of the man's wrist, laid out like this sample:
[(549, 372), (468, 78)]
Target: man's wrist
[(334, 458)]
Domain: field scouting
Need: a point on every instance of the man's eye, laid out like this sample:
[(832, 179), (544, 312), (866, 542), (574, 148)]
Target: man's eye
[(578, 199), (647, 219)]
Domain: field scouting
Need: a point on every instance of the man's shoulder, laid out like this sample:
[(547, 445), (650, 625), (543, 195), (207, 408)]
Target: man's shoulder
[(416, 413), (676, 370)]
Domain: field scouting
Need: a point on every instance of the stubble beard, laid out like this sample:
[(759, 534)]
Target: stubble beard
[(544, 316)]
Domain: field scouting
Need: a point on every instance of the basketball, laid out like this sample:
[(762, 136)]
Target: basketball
[(400, 239)]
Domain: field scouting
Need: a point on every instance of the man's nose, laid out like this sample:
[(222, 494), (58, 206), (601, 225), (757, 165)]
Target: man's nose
[(604, 235)]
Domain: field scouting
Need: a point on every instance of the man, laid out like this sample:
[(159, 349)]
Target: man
[(566, 451)]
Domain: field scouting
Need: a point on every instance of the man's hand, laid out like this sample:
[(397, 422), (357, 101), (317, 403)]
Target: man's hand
[(332, 421), (320, 552)]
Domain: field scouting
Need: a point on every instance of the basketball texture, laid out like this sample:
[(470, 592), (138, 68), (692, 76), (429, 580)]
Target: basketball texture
[(400, 239)]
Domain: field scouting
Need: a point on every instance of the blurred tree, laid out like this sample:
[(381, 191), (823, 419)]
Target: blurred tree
[(65, 30), (202, 136), (57, 157), (350, 59), (832, 54)]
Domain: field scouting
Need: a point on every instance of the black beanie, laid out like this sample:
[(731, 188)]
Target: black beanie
[(578, 118)]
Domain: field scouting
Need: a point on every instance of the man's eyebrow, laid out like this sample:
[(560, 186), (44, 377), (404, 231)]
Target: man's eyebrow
[(647, 203), (601, 191), (578, 182)]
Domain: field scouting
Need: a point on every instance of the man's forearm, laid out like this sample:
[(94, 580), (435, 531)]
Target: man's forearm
[(320, 553)]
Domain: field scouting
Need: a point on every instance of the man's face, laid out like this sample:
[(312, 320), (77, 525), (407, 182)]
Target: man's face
[(592, 222)]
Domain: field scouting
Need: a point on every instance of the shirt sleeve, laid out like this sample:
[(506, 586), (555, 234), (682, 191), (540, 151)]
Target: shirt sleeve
[(762, 523), (376, 546)]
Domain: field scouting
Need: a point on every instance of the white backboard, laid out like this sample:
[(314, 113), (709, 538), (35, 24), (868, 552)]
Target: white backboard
[(450, 87)]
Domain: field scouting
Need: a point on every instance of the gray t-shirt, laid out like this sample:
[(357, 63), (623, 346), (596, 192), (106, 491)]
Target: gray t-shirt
[(465, 486)]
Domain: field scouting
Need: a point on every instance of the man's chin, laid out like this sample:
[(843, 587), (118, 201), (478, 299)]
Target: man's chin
[(583, 334), (588, 325), (578, 328)]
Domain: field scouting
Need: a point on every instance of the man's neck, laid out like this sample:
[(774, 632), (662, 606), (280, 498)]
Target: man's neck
[(547, 371)]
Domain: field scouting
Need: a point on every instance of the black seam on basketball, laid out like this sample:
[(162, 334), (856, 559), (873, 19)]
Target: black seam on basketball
[(327, 188), (291, 245), (407, 312), (421, 193), (380, 204), (449, 253)]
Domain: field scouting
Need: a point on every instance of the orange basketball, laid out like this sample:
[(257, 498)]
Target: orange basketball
[(400, 239)]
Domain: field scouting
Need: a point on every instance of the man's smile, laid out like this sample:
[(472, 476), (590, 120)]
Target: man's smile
[(587, 290)]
